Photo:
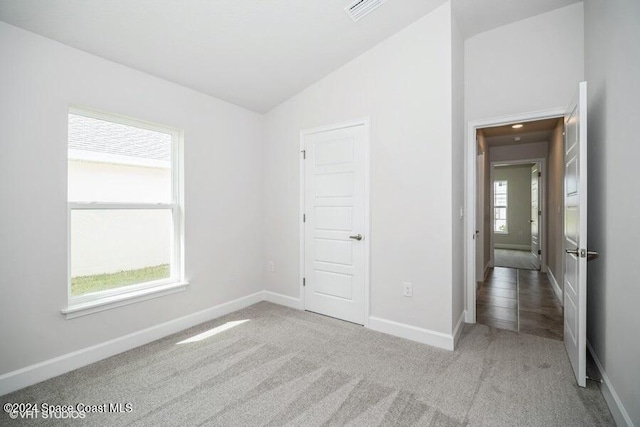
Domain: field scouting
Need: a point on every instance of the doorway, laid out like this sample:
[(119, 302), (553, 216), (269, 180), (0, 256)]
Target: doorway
[(516, 289), (517, 209)]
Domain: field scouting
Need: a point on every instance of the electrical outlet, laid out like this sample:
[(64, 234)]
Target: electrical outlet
[(271, 266), (407, 289)]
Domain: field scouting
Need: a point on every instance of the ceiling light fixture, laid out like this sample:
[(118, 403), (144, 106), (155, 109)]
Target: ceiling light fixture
[(518, 126)]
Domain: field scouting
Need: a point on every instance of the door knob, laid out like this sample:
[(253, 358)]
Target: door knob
[(591, 255), (356, 237)]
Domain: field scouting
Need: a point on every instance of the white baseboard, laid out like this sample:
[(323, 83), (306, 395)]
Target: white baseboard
[(285, 300), (618, 411), (457, 331), (486, 270), (42, 371), (556, 287), (38, 372), (413, 333), (512, 246)]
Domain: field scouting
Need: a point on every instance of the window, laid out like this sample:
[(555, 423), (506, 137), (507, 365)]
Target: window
[(124, 207), (500, 196)]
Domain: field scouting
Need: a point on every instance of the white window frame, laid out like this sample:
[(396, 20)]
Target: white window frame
[(506, 207), (111, 298)]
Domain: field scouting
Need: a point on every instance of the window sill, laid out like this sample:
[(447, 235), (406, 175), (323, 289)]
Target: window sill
[(82, 309)]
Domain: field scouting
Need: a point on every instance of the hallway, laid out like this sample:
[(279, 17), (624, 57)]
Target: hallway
[(521, 301), (511, 258)]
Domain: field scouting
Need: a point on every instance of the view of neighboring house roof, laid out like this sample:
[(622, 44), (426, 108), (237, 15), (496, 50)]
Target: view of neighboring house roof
[(103, 141)]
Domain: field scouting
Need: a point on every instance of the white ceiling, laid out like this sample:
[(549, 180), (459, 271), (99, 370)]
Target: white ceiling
[(253, 53), (478, 16)]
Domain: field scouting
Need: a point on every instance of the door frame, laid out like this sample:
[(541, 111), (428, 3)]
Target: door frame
[(471, 152), (542, 206), (481, 270), (365, 122)]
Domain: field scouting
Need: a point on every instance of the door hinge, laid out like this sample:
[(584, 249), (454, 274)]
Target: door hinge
[(539, 252), (304, 154), (304, 217), (539, 174), (539, 213), (304, 281)]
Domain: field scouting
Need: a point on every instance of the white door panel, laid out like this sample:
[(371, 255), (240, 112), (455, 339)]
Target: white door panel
[(334, 206), (332, 218), (334, 251), (333, 184), (575, 234)]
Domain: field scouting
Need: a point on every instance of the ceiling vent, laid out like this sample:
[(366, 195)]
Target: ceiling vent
[(361, 8)]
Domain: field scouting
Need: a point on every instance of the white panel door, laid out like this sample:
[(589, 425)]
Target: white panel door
[(535, 215), (575, 234), (334, 227)]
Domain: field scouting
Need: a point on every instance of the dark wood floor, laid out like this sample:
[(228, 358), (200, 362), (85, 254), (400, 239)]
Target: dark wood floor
[(520, 300)]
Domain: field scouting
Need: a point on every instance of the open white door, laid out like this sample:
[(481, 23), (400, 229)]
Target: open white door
[(575, 234), (535, 215), (335, 225)]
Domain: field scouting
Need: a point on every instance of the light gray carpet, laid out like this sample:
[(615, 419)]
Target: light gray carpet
[(522, 260), (288, 367)]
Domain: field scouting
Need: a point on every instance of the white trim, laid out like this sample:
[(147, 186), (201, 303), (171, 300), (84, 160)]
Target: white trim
[(367, 219), (365, 123), (617, 409), (512, 246), (38, 372), (42, 371), (457, 331), (94, 302), (486, 270), (284, 300), (302, 223), (556, 287), (413, 333), (470, 191), (95, 113), (112, 301), (122, 206)]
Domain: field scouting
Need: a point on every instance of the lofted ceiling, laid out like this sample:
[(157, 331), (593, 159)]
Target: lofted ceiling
[(535, 131), (252, 53)]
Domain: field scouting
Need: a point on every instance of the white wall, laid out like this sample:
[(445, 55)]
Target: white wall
[(530, 65), (555, 204), (507, 153), (457, 172), (404, 86), (39, 78), (612, 70)]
